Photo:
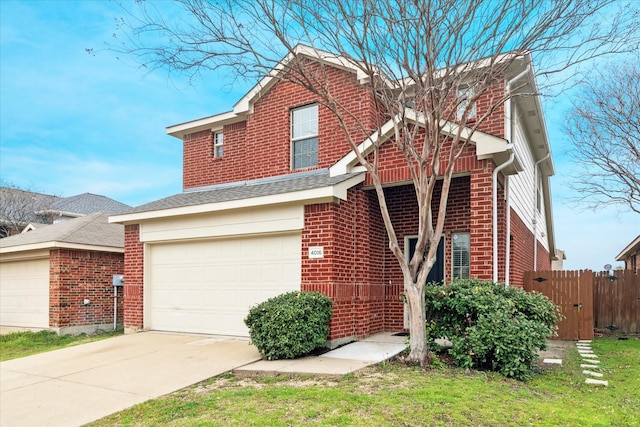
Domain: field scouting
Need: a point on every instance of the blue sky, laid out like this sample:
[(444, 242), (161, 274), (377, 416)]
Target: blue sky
[(71, 122)]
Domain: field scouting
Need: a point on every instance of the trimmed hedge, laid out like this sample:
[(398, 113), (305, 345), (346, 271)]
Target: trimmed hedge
[(290, 325), (490, 326)]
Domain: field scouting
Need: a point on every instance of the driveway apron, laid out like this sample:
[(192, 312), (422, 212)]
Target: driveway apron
[(76, 385)]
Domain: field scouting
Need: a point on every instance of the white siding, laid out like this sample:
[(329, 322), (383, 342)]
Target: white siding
[(522, 188)]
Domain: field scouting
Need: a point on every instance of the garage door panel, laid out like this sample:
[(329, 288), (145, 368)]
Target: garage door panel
[(24, 293), (209, 286)]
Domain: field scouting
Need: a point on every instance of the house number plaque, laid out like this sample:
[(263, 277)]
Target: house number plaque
[(316, 252)]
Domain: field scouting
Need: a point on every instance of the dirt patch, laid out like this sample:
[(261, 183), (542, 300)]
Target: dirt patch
[(556, 349)]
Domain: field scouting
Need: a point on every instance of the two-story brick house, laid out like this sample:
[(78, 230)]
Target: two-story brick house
[(274, 200)]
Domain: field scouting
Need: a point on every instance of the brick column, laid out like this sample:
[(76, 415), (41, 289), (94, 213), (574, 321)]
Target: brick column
[(481, 228), (133, 279)]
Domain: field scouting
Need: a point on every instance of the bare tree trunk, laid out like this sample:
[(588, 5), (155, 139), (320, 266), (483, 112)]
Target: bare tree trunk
[(419, 349)]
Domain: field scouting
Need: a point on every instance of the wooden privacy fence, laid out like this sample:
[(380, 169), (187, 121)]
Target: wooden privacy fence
[(587, 300), (572, 292), (616, 298)]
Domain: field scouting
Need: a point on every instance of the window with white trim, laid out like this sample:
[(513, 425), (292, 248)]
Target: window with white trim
[(465, 93), (218, 144), (461, 256), (304, 137)]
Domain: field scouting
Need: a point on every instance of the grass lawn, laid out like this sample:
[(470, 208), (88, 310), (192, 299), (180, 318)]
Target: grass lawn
[(21, 344), (394, 394)]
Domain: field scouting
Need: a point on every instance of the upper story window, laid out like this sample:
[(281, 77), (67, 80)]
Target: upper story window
[(461, 259), (218, 144), (304, 137), (465, 93)]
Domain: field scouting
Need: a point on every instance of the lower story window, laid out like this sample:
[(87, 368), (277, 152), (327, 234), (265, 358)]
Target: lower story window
[(461, 257)]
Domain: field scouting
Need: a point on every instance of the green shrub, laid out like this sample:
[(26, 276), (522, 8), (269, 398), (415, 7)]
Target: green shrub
[(290, 325), (490, 326)]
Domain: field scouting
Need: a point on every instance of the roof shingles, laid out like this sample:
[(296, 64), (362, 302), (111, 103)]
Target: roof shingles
[(245, 190), (93, 230)]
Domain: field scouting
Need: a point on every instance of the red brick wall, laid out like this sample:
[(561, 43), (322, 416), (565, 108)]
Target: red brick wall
[(543, 262), (350, 272), (261, 147), (76, 275), (522, 251), (133, 278)]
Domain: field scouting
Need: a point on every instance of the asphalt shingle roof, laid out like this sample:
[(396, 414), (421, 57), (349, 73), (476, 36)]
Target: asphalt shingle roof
[(88, 203), (94, 230), (245, 190)]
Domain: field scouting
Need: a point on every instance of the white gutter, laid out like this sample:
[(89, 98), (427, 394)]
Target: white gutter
[(535, 211), (494, 191)]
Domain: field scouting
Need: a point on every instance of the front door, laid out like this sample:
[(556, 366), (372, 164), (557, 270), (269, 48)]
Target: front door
[(437, 271)]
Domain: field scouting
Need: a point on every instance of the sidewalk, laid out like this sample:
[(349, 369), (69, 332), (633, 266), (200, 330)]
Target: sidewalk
[(341, 361)]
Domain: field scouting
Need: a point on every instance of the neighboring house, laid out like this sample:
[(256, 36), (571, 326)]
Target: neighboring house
[(60, 276), (631, 255), (558, 263), (20, 209), (64, 208), (274, 201)]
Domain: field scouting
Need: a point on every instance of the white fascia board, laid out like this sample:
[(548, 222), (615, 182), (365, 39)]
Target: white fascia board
[(59, 245), (627, 250), (245, 104), (546, 196), (316, 195), (545, 135), (60, 213), (206, 123), (23, 256), (486, 144), (346, 164)]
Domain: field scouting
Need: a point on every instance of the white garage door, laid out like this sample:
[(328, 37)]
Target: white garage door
[(208, 286), (24, 293)]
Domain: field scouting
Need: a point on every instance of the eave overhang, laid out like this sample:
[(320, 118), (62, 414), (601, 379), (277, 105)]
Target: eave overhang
[(325, 194), (58, 245), (487, 146), (632, 247)]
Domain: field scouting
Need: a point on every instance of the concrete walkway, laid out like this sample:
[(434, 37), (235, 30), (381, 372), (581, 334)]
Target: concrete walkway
[(340, 361), (76, 385)]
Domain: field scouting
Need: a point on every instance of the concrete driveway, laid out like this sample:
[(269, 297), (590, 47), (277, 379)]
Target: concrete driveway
[(76, 385)]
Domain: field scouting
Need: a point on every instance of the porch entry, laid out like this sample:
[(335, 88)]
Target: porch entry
[(437, 271)]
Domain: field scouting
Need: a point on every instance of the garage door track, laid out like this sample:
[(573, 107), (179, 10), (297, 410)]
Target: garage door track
[(76, 385)]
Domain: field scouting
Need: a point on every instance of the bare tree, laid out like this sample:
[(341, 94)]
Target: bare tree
[(19, 207), (413, 57), (604, 128)]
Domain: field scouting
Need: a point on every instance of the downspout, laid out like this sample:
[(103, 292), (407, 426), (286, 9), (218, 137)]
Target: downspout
[(507, 255), (535, 210), (494, 191), (115, 308)]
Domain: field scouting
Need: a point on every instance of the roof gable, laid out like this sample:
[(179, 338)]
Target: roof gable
[(91, 231), (87, 203), (487, 146)]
